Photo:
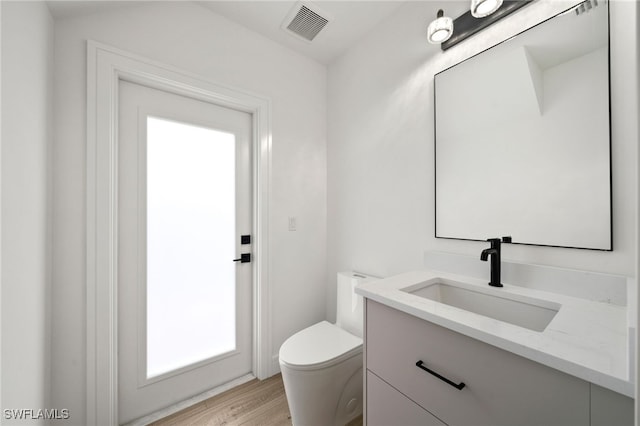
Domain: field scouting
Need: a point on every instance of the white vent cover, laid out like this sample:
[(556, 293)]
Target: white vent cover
[(305, 21)]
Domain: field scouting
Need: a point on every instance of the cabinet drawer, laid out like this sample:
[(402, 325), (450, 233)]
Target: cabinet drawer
[(500, 388), (386, 406)]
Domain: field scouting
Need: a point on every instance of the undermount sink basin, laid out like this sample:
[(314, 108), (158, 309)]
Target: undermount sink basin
[(523, 311)]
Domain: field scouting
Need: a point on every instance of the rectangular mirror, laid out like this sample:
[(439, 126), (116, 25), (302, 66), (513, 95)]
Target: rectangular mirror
[(522, 137)]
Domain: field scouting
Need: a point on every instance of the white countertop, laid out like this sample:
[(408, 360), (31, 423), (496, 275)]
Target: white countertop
[(586, 339)]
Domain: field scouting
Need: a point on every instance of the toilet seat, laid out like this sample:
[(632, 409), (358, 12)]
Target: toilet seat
[(319, 346)]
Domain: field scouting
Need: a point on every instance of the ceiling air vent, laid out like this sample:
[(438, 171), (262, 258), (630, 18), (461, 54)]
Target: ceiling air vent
[(305, 21)]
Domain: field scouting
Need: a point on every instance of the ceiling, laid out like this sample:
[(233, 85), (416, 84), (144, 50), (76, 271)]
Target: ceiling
[(349, 21), (61, 9)]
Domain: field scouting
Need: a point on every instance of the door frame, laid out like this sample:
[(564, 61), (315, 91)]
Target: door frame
[(106, 67)]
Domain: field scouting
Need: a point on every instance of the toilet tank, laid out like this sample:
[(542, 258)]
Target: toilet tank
[(349, 315)]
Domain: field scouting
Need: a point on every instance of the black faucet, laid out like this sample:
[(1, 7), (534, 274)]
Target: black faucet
[(494, 252)]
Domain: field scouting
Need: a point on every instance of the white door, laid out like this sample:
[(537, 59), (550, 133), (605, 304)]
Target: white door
[(184, 304)]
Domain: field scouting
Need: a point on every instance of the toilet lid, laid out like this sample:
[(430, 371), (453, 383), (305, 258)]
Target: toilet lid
[(320, 345)]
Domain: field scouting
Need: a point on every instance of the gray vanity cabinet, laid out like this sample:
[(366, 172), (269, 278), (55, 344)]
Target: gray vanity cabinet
[(387, 407), (500, 388), (609, 408)]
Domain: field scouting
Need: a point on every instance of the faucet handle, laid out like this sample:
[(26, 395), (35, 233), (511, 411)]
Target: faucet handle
[(495, 243), (506, 239)]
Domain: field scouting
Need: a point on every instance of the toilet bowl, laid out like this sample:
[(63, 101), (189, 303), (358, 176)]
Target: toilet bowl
[(322, 365)]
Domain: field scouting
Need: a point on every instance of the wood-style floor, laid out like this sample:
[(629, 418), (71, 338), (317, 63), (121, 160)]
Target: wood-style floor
[(253, 403)]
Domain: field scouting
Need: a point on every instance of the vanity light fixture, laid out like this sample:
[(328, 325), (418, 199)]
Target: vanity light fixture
[(440, 29), (482, 14), (482, 8)]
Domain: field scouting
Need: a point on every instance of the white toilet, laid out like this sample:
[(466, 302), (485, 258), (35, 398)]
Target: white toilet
[(322, 364)]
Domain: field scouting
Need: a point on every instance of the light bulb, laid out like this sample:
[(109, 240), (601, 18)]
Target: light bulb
[(482, 8), (440, 29)]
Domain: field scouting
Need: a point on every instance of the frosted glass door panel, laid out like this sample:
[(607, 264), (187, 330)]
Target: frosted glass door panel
[(190, 244)]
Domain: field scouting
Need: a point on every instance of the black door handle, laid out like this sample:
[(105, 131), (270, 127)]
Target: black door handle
[(244, 258)]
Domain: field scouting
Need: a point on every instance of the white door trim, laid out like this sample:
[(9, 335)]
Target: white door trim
[(106, 66)]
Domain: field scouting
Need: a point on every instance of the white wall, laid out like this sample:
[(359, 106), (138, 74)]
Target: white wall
[(191, 38), (27, 66), (637, 73), (381, 144)]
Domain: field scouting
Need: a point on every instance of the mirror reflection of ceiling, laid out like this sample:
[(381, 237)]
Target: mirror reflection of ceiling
[(565, 37), (519, 70)]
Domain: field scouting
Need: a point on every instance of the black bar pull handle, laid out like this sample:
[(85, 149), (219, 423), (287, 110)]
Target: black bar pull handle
[(458, 386)]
